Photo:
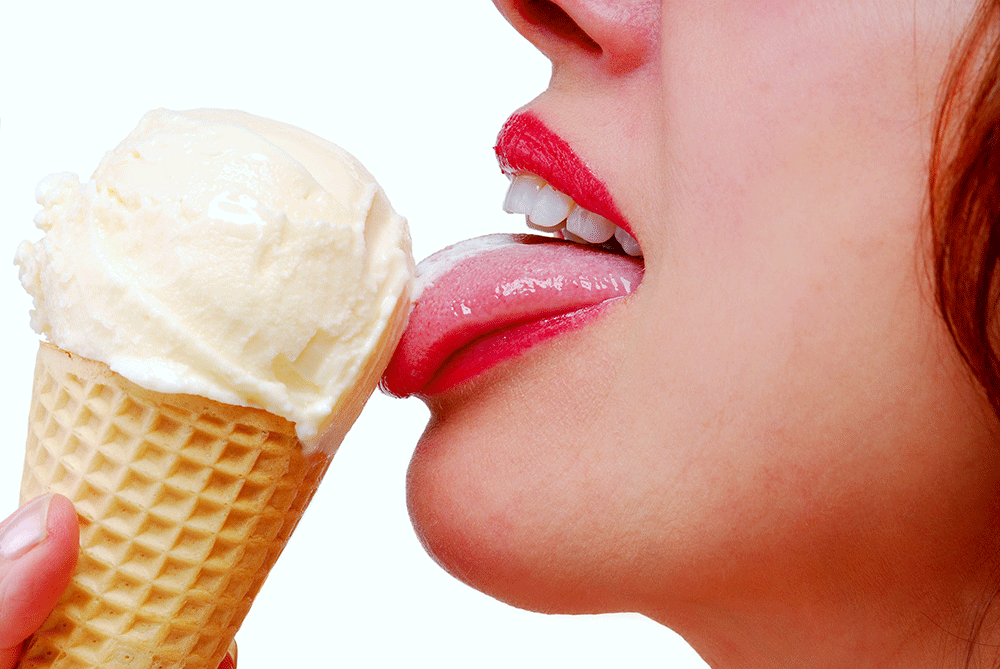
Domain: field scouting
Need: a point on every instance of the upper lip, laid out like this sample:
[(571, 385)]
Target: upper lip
[(482, 290), (526, 144)]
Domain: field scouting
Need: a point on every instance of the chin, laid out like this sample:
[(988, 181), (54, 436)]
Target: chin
[(514, 502)]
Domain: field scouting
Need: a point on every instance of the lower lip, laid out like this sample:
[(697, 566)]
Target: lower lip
[(495, 348), (486, 300)]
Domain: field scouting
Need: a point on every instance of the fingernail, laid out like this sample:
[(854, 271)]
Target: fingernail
[(25, 529), (229, 661)]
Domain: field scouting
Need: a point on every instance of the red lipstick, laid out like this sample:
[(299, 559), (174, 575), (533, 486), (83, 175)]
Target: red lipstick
[(525, 144), (486, 300)]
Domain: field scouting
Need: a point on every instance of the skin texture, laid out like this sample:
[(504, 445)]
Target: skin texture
[(772, 447), (32, 582)]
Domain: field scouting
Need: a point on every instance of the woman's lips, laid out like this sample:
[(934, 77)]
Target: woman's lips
[(525, 144), (488, 299)]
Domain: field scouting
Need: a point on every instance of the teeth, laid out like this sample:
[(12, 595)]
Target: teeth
[(590, 226), (549, 210), (629, 245), (522, 193), (570, 237)]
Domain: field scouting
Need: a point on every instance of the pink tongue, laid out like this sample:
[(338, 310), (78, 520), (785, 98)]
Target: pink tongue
[(489, 284)]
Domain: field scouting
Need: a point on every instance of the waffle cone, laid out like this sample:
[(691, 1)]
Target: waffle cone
[(184, 506)]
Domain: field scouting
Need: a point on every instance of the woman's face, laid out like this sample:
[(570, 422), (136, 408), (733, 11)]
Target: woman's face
[(777, 408)]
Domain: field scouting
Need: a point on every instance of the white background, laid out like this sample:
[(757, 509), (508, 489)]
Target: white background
[(417, 91)]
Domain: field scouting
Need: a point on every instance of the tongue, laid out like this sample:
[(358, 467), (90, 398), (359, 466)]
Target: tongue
[(491, 285)]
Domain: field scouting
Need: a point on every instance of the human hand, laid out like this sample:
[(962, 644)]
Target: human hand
[(38, 549), (39, 545)]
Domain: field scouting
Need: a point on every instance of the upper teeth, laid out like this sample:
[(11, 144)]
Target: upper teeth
[(552, 211)]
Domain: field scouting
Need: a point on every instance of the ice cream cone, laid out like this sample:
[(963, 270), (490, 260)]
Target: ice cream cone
[(184, 503)]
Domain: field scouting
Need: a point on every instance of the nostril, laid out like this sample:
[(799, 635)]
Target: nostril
[(551, 17)]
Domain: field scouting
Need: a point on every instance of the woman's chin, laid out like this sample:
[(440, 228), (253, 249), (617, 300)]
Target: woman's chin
[(497, 486), (479, 518)]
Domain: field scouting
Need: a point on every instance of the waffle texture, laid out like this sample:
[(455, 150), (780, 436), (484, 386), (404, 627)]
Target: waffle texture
[(184, 505)]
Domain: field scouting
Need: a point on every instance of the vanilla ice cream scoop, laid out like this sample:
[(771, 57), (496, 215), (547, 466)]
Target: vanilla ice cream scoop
[(219, 254)]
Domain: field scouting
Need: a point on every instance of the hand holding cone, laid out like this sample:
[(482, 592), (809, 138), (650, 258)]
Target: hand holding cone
[(241, 260), (184, 506), (38, 550)]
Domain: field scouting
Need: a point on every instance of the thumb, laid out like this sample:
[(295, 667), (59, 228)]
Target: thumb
[(229, 661), (38, 550)]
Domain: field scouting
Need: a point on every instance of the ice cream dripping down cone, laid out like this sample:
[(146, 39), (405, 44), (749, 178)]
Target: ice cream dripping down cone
[(184, 503)]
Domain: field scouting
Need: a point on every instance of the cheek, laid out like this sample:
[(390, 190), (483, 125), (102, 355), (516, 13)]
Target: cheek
[(725, 431), (814, 402)]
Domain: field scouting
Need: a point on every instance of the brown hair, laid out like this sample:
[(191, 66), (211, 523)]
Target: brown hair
[(965, 199), (965, 219)]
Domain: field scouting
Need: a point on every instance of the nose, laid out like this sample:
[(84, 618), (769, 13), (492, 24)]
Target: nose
[(618, 35)]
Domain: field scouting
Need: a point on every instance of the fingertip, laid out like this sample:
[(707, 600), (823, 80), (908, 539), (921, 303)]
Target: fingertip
[(9, 657), (63, 524), (35, 577), (229, 661)]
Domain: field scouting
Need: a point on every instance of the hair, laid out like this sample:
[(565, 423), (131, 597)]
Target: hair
[(964, 203), (965, 199)]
